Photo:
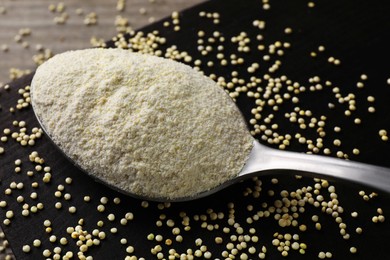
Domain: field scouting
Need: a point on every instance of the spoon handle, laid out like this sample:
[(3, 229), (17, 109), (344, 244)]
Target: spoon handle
[(263, 158)]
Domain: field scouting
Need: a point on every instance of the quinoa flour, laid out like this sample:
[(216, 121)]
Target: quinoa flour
[(147, 125)]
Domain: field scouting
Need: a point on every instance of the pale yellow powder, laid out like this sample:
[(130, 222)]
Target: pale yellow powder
[(146, 125)]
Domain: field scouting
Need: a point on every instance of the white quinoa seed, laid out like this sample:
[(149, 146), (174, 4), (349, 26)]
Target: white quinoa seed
[(26, 248), (37, 243), (72, 209)]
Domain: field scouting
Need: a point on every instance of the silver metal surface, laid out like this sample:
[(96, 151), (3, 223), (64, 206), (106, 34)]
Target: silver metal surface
[(263, 159)]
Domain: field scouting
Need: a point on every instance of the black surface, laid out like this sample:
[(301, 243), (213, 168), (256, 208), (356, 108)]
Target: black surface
[(356, 32)]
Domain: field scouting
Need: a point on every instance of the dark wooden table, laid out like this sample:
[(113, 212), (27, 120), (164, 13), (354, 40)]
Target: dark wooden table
[(354, 32)]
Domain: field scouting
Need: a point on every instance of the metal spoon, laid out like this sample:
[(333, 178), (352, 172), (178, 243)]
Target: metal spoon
[(264, 160)]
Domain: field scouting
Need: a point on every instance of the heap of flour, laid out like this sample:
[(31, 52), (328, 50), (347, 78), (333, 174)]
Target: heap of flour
[(146, 125)]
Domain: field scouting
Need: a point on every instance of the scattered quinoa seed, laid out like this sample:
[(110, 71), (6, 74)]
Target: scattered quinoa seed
[(26, 248)]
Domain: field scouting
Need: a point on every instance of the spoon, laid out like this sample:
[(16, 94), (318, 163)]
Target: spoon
[(154, 164), (264, 160)]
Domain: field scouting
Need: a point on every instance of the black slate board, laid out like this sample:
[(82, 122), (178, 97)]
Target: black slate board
[(355, 32)]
